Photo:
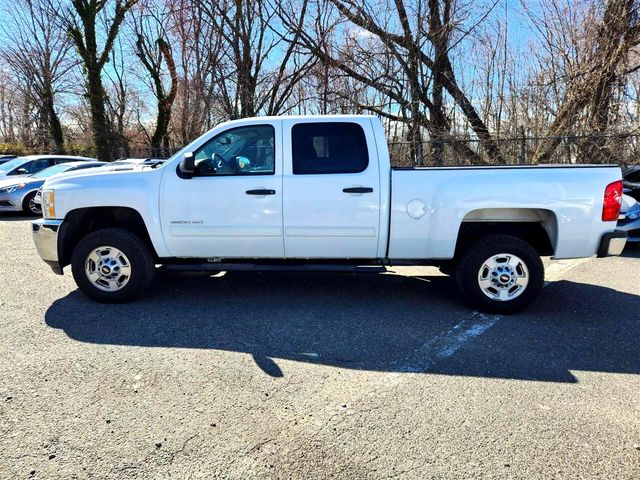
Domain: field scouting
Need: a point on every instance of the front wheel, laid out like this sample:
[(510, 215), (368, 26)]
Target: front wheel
[(112, 265), (500, 274), (30, 207)]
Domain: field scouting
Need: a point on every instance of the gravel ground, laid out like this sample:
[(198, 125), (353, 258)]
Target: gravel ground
[(290, 375)]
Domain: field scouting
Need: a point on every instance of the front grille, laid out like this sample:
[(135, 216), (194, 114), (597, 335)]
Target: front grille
[(5, 203)]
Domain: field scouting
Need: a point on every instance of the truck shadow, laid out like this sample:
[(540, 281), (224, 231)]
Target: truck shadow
[(15, 217), (366, 321), (631, 250)]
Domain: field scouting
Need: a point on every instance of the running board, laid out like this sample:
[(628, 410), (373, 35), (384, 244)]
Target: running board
[(247, 267)]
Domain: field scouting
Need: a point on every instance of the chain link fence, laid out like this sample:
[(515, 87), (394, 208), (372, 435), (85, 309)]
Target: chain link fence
[(621, 149)]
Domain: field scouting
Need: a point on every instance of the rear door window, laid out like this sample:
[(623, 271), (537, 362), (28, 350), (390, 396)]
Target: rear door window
[(328, 147)]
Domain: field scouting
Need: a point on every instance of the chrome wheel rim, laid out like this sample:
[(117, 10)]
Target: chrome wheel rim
[(503, 277), (107, 268), (33, 206)]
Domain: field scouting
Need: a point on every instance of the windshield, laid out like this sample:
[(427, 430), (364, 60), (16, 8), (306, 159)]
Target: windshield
[(47, 172), (11, 164)]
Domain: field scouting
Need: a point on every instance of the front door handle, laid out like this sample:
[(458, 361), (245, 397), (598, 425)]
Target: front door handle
[(261, 191), (358, 190)]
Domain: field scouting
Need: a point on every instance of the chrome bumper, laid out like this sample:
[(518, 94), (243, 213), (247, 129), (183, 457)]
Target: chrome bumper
[(45, 236), (612, 243)]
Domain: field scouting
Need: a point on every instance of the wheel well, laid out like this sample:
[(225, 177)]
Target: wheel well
[(533, 233), (81, 222)]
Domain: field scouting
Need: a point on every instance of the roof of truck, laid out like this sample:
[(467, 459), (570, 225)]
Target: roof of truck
[(306, 117)]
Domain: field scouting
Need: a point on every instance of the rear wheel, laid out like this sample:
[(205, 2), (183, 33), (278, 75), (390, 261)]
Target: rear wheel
[(500, 274), (112, 265), (30, 207)]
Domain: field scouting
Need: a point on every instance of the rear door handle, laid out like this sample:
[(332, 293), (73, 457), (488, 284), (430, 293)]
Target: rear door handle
[(261, 191), (358, 190)]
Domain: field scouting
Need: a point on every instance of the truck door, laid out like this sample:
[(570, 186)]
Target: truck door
[(331, 189), (232, 207)]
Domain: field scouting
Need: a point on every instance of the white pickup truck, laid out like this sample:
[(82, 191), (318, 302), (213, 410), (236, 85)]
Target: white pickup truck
[(318, 192)]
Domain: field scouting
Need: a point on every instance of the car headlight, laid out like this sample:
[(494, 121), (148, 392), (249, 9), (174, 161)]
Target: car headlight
[(48, 204), (633, 214), (12, 188)]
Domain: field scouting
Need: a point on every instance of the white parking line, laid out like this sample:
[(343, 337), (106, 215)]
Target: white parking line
[(445, 345)]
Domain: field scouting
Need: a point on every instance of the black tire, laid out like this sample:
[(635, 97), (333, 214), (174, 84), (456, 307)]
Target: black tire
[(30, 208), (474, 258), (448, 269), (141, 262)]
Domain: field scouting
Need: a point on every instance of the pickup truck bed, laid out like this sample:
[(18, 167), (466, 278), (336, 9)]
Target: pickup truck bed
[(559, 198)]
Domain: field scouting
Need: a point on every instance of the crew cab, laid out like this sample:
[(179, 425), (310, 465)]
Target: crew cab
[(318, 192)]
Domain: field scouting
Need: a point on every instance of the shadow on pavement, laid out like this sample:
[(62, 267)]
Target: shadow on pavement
[(631, 250), (369, 322), (15, 217)]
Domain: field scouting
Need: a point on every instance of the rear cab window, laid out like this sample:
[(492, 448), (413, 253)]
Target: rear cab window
[(328, 147)]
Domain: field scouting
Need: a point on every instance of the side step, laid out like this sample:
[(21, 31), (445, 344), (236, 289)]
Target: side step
[(249, 267)]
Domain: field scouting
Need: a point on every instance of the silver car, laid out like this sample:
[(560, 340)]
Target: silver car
[(31, 164), (17, 194)]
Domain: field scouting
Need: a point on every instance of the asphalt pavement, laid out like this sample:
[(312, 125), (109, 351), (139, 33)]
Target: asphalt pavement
[(317, 375)]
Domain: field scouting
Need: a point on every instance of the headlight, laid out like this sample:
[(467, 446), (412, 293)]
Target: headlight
[(12, 188), (634, 214), (48, 206)]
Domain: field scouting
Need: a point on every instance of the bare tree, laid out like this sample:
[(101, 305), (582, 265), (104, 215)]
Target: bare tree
[(39, 57), (11, 101), (197, 43), (418, 36), (592, 63), (155, 54), (81, 21), (247, 80), (118, 100)]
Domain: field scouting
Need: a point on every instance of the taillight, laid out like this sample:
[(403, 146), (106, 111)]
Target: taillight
[(612, 201)]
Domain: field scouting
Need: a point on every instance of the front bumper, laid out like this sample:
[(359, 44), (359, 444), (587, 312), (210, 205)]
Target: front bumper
[(11, 202), (38, 198), (45, 236), (612, 243)]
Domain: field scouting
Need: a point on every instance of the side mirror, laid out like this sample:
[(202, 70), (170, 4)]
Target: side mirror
[(21, 171), (188, 164)]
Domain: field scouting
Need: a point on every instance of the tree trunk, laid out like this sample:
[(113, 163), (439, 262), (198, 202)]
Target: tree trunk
[(55, 127), (99, 124)]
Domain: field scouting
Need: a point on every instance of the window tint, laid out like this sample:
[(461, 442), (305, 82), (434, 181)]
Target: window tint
[(47, 172), (11, 164), (328, 148), (36, 165), (240, 151), (31, 167)]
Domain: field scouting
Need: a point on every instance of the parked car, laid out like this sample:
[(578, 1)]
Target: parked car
[(129, 163), (629, 219), (631, 181), (318, 192), (31, 164), (18, 194), (6, 158)]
